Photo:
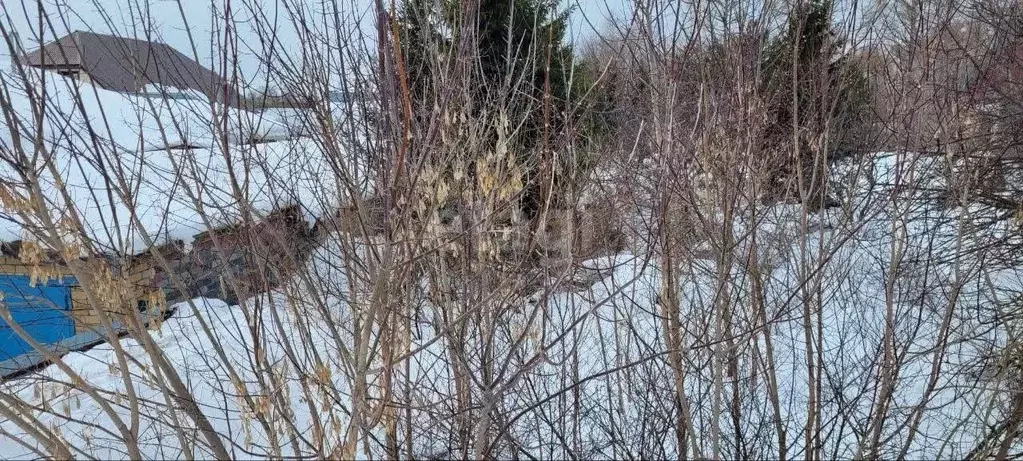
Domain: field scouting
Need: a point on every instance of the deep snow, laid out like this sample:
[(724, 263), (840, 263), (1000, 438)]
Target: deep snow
[(173, 192), (614, 322)]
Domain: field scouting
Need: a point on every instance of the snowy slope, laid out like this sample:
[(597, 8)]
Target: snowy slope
[(611, 365), (185, 345), (107, 146), (148, 121), (173, 193)]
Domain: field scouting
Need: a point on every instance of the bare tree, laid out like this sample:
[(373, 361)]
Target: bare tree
[(727, 260)]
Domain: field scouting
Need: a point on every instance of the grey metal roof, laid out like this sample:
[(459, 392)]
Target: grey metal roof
[(127, 64)]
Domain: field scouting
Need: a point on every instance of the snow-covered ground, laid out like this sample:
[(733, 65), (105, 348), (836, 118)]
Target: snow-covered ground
[(594, 363), (120, 154), (148, 121), (610, 372)]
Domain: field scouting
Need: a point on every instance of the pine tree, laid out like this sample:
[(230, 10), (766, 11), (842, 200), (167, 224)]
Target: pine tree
[(538, 57), (812, 87), (523, 63), (420, 44)]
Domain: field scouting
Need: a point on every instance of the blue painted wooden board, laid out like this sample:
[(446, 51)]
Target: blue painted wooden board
[(44, 311), (79, 341)]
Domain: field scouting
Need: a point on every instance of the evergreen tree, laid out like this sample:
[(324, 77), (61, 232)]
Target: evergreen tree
[(523, 63), (812, 87), (420, 42), (536, 35)]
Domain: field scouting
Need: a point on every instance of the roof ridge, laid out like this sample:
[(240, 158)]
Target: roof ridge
[(157, 40)]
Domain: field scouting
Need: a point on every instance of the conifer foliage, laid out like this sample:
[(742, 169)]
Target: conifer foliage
[(817, 102), (519, 62)]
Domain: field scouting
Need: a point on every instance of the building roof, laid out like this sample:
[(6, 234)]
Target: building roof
[(128, 65)]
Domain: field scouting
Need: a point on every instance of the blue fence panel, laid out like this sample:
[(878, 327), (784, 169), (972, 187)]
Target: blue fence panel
[(44, 311)]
